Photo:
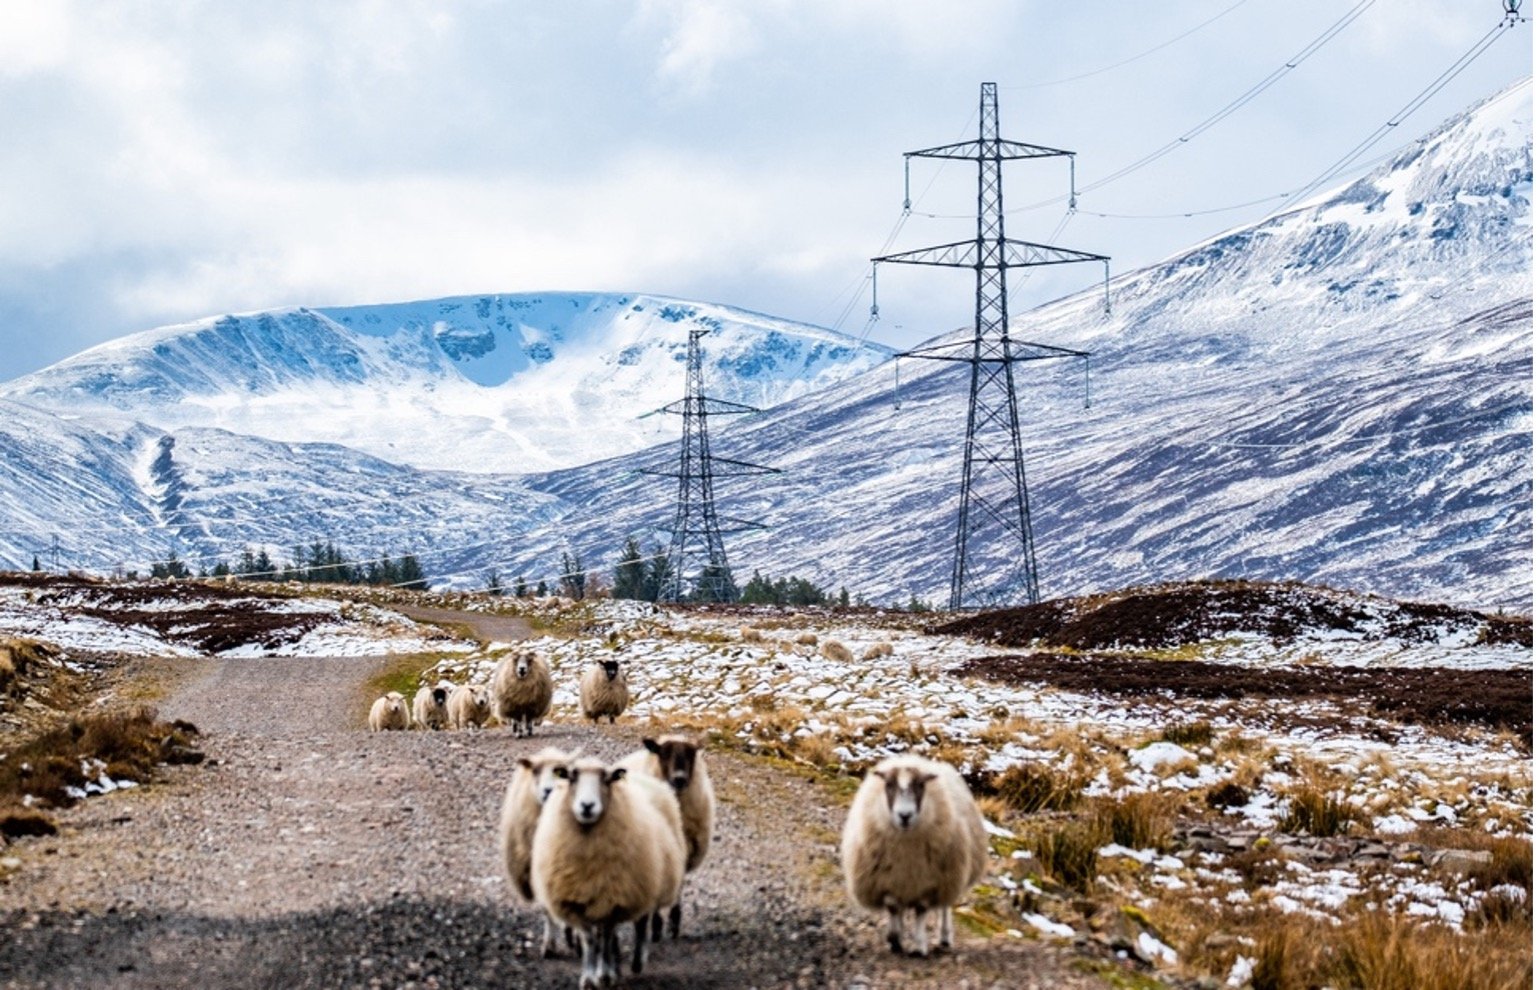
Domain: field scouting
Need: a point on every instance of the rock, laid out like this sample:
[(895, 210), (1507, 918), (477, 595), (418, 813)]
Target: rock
[(1460, 860)]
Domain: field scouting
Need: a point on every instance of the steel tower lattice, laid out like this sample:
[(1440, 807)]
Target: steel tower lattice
[(993, 492), (696, 565)]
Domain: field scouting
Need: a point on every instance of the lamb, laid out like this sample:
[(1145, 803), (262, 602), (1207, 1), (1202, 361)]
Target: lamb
[(532, 783), (833, 650), (468, 707), (679, 761), (389, 712), (604, 691), (878, 650), (914, 839), (430, 709), (608, 849), (522, 691)]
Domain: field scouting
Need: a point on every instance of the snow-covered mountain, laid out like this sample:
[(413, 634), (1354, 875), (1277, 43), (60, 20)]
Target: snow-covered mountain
[(1340, 394), (498, 383)]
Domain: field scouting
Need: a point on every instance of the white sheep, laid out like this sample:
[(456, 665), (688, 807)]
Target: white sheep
[(608, 849), (604, 691), (679, 762), (430, 709), (531, 785), (389, 712), (468, 707), (522, 691), (914, 840)]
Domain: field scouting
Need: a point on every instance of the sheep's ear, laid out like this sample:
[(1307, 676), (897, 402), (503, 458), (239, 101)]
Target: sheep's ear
[(616, 774), (525, 763), (652, 745), (878, 773), (924, 778)]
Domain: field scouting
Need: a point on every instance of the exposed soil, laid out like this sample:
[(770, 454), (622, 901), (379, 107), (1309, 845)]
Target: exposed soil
[(308, 852), (1497, 699), (1180, 614)]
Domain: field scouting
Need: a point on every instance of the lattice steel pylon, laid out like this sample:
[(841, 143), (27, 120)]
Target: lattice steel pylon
[(696, 565), (993, 491)]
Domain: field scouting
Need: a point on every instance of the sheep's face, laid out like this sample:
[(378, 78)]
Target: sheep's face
[(677, 758), (904, 788), (482, 701), (439, 696), (522, 665), (589, 786), (611, 668)]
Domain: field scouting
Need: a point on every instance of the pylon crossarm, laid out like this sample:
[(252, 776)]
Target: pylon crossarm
[(1006, 150), (935, 352), (740, 525), (742, 467), (968, 254), (708, 405)]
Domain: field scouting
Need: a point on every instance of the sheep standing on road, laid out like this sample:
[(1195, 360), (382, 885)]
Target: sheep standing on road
[(468, 707), (604, 691), (522, 691), (532, 783), (389, 713), (608, 849), (430, 710), (678, 762), (914, 839)]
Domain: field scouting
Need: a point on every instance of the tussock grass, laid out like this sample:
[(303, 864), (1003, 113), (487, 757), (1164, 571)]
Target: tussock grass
[(1317, 810), (1189, 734), (129, 745), (1069, 852), (1028, 788), (1142, 820)]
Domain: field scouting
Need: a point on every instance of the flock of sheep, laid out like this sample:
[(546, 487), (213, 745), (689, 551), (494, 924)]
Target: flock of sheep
[(602, 845)]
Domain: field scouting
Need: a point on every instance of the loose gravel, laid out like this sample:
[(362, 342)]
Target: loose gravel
[(308, 852)]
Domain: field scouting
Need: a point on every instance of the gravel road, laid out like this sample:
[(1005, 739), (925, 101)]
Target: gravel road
[(308, 852)]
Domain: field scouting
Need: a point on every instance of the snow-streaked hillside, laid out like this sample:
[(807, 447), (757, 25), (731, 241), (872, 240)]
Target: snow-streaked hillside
[(498, 383), (1341, 394)]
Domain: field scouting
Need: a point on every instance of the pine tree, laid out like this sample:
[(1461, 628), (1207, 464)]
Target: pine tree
[(542, 590), (657, 576), (412, 577), (520, 587), (629, 573), (493, 583), (842, 597), (37, 565)]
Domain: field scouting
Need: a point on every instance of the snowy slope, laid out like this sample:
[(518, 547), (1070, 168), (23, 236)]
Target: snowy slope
[(1341, 394), (503, 383)]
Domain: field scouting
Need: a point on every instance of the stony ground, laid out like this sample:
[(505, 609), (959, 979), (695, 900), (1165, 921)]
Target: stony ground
[(307, 852)]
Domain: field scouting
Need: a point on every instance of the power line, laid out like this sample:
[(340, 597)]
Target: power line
[(1134, 58)]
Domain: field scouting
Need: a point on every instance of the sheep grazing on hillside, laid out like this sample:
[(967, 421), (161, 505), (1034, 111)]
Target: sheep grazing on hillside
[(522, 691), (833, 650), (532, 783), (914, 840), (608, 849), (806, 639), (430, 709), (878, 650), (679, 762), (389, 712), (469, 707), (604, 691)]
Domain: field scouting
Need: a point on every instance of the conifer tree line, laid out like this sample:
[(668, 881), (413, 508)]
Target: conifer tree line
[(317, 563)]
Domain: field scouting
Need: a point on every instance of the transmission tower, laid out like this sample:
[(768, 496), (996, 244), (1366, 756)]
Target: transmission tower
[(993, 494), (696, 567)]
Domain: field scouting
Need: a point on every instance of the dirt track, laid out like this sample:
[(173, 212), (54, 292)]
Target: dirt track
[(308, 852)]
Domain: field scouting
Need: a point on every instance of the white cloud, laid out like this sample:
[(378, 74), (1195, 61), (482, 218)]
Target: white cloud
[(699, 37)]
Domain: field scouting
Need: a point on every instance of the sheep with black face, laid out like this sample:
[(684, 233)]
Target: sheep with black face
[(430, 709), (604, 690), (678, 761)]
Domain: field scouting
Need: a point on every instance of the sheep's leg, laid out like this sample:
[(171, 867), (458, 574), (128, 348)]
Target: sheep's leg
[(590, 948), (893, 928), (656, 923), (549, 937), (609, 975), (920, 933), (637, 961), (675, 919), (946, 927), (570, 937)]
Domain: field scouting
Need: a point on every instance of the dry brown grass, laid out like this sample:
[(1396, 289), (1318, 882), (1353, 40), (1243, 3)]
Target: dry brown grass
[(1142, 820), (1190, 735), (1032, 787), (836, 652), (129, 744), (1068, 851), (1321, 811)]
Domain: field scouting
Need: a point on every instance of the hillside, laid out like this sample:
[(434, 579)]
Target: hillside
[(495, 383)]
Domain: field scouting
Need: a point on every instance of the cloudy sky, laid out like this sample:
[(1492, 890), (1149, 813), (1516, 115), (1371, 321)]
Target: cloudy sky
[(170, 160)]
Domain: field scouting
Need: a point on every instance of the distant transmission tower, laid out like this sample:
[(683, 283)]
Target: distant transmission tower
[(696, 567), (993, 493)]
